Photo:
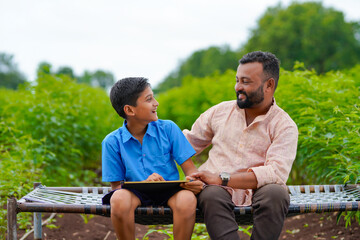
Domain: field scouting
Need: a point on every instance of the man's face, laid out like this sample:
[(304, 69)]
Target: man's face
[(249, 85), (251, 98)]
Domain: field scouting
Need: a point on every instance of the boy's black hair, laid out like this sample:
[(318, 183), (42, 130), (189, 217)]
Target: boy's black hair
[(126, 91), (271, 65)]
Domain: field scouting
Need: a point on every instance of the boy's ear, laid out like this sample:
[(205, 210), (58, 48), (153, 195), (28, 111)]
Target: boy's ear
[(129, 110)]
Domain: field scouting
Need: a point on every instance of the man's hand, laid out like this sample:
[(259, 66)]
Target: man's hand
[(207, 177), (155, 177), (196, 186)]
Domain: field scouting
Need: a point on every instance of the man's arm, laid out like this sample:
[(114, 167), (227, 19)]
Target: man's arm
[(279, 157), (243, 180)]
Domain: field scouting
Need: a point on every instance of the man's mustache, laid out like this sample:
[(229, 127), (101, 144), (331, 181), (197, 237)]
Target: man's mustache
[(241, 92)]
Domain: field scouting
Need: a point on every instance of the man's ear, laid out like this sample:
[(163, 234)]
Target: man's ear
[(129, 110), (270, 85)]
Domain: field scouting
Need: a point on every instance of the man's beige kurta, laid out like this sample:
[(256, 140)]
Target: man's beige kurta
[(267, 146)]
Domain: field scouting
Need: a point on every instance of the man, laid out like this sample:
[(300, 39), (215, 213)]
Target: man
[(253, 147)]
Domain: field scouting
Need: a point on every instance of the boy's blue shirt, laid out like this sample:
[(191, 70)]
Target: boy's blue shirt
[(125, 159)]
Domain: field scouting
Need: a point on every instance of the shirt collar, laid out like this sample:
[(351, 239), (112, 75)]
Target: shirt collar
[(126, 135), (269, 112), (151, 130), (258, 118)]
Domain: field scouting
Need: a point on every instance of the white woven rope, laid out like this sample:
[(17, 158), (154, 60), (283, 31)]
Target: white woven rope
[(44, 195), (62, 197)]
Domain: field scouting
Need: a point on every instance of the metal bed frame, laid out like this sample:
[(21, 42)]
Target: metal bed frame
[(87, 200)]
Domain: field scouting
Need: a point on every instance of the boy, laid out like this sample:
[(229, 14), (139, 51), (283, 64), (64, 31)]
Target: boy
[(144, 148)]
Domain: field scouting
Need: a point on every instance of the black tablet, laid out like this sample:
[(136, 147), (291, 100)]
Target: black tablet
[(150, 186)]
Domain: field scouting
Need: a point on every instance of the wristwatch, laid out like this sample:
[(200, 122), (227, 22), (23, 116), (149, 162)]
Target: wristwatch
[(225, 178)]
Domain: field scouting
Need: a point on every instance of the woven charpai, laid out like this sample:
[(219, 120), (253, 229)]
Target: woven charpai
[(303, 199), (43, 195)]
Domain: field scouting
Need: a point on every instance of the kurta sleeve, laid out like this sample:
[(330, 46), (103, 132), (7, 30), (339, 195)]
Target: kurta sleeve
[(201, 132), (279, 157)]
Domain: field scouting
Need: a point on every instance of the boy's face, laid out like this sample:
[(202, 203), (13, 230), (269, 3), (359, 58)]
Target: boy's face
[(146, 106)]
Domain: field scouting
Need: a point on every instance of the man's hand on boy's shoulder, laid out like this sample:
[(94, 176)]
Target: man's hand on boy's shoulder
[(196, 186), (155, 177)]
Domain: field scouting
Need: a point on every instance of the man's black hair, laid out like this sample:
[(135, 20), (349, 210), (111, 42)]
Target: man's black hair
[(126, 91), (271, 65)]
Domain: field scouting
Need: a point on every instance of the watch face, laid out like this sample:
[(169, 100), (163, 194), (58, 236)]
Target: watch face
[(225, 176)]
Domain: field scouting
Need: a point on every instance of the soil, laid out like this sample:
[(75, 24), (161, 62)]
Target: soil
[(301, 227)]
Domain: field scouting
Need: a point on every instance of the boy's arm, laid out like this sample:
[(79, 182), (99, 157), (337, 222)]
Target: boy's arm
[(188, 167), (195, 186)]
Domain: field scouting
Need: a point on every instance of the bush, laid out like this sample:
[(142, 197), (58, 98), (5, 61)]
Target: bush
[(51, 133), (326, 110)]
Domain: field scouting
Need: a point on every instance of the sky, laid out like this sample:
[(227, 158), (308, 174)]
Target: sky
[(147, 38)]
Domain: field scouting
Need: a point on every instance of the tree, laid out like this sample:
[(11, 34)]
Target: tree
[(200, 64), (309, 33), (44, 68), (100, 78), (10, 76), (66, 71), (85, 78)]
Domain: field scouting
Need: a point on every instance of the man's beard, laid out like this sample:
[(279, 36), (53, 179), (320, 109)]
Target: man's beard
[(255, 97)]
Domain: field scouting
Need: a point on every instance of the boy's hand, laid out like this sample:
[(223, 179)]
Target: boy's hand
[(207, 177), (196, 186), (155, 177)]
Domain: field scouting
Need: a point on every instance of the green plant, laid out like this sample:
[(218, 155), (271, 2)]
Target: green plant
[(86, 217), (51, 132), (246, 230), (166, 231), (200, 232)]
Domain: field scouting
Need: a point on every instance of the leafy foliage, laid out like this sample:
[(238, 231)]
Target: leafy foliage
[(184, 104), (51, 133), (326, 110), (10, 76), (200, 64), (98, 78), (301, 32)]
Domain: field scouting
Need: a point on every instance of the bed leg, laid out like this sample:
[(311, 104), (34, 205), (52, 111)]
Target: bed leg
[(37, 220), (37, 226), (11, 219)]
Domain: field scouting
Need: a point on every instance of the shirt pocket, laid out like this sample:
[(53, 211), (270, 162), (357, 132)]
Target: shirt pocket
[(162, 160), (165, 166)]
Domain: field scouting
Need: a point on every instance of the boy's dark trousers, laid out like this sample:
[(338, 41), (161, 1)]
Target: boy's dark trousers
[(270, 206)]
